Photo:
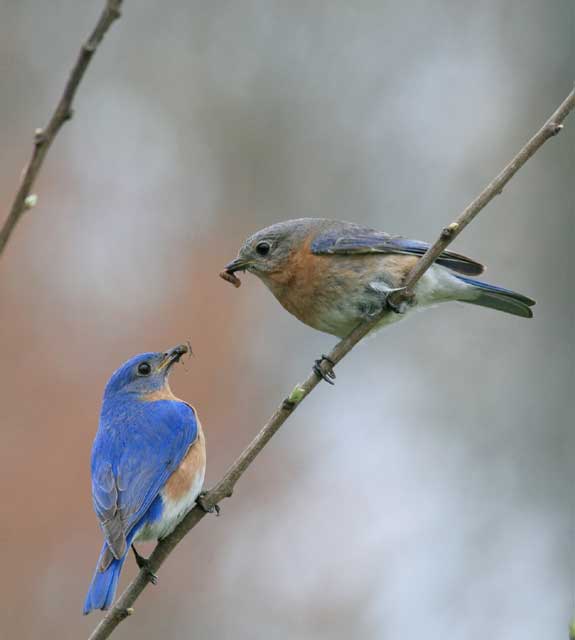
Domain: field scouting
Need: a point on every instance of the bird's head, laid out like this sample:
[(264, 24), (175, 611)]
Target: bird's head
[(268, 250), (144, 374)]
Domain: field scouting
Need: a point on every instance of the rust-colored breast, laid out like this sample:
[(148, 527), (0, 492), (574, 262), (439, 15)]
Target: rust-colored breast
[(300, 282), (185, 476)]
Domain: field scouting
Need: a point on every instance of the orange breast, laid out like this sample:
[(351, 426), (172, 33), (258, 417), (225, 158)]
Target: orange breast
[(299, 285), (185, 476)]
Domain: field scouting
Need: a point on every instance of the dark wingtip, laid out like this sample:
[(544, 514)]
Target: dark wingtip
[(472, 268), (461, 264)]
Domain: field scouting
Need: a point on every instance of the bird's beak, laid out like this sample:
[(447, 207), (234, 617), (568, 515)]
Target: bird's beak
[(236, 265), (173, 355)]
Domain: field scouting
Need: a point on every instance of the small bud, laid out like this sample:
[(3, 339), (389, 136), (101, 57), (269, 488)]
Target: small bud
[(31, 201), (555, 128), (450, 230), (39, 137), (296, 395)]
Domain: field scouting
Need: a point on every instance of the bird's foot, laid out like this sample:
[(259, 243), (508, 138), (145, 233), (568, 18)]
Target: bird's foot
[(323, 368), (213, 508), (144, 563), (402, 306)]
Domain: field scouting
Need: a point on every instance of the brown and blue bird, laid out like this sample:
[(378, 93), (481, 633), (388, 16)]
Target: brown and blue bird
[(332, 275), (148, 465)]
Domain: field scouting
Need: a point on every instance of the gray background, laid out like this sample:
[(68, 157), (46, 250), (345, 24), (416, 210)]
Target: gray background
[(429, 494)]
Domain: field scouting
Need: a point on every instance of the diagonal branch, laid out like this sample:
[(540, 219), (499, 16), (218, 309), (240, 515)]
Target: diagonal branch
[(43, 138), (225, 487)]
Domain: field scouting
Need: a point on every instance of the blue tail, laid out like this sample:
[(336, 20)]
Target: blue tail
[(489, 295), (104, 584)]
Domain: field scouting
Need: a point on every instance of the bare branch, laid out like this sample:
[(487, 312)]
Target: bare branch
[(551, 128), (43, 138), (225, 487)]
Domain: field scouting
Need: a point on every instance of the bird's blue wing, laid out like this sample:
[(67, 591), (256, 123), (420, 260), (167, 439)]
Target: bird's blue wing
[(135, 452), (362, 240)]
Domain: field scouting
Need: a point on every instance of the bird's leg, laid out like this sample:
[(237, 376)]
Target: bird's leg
[(403, 305), (215, 508), (323, 368), (144, 563)]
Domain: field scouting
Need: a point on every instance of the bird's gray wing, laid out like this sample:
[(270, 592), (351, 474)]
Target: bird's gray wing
[(360, 240)]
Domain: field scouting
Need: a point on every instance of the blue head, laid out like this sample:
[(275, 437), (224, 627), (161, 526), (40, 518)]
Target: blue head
[(144, 375)]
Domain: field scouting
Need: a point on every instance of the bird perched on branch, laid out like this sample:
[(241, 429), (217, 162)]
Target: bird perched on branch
[(332, 275), (148, 465)]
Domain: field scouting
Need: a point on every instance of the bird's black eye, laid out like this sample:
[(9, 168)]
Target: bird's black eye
[(263, 248), (144, 369)]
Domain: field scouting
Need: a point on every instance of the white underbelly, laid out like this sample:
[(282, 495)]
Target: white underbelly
[(173, 511)]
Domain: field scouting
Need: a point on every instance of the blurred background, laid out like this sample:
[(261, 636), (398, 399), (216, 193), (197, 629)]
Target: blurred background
[(429, 493)]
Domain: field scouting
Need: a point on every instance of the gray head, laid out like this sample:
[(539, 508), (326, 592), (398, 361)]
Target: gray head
[(267, 250)]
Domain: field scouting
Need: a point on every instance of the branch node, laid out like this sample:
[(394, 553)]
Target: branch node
[(68, 114), (39, 137), (554, 128), (294, 397), (449, 231), (89, 47), (30, 201), (125, 613)]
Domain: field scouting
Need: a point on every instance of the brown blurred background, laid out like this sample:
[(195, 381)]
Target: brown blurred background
[(429, 494)]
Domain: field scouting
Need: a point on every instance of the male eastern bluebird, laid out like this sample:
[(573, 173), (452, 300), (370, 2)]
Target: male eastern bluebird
[(332, 275), (148, 465)]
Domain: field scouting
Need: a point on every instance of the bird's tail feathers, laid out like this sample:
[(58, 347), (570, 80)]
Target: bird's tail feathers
[(104, 584), (494, 297)]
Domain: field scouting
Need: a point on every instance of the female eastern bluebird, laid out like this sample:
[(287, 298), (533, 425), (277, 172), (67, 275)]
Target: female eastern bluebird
[(332, 275), (148, 465)]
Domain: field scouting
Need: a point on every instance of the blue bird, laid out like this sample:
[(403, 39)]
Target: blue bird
[(148, 465), (332, 275)]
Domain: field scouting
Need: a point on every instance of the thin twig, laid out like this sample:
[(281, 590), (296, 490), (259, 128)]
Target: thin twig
[(43, 138), (225, 487)]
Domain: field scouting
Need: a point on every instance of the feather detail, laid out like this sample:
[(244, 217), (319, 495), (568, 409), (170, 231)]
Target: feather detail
[(362, 240)]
